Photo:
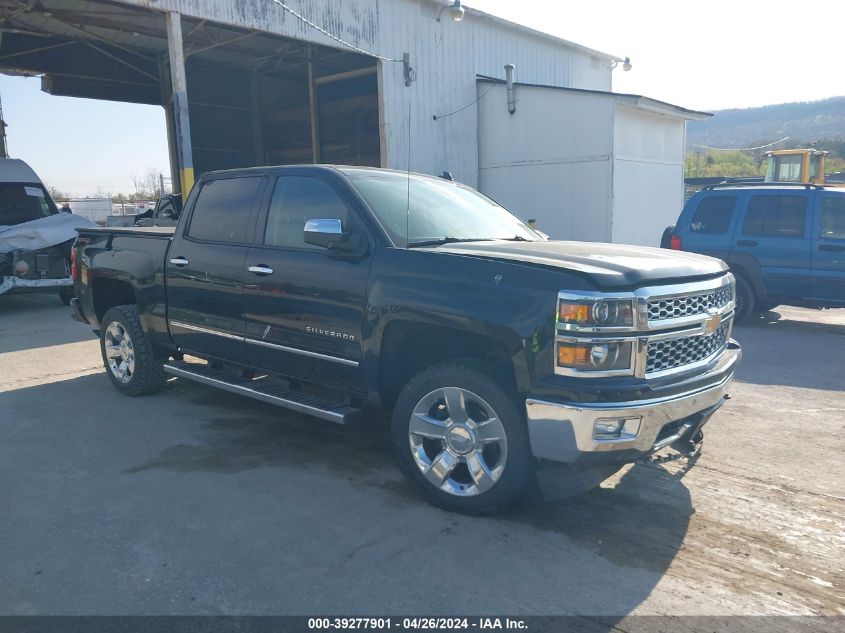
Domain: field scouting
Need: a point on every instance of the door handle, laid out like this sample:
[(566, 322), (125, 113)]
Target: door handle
[(179, 261), (836, 248), (261, 269), (747, 242)]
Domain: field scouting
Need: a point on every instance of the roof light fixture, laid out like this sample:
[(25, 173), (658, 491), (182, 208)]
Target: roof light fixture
[(456, 11), (626, 64)]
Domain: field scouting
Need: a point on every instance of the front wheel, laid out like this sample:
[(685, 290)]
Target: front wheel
[(131, 362), (460, 438)]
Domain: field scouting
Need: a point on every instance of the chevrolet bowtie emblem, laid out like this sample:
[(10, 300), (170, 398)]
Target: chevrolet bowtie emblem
[(712, 322)]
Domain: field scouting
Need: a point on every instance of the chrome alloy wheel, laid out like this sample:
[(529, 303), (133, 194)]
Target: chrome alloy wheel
[(119, 352), (458, 441)]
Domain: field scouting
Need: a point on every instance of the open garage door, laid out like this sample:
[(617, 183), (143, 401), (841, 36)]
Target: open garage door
[(253, 97)]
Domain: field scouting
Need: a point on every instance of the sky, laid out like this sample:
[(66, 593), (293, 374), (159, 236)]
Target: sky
[(704, 56)]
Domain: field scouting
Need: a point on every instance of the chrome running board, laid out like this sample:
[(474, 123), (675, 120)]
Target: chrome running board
[(265, 389)]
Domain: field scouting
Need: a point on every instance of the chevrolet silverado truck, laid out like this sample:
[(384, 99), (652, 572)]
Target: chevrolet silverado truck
[(501, 355)]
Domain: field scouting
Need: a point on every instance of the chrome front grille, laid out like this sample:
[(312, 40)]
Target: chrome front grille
[(676, 328), (675, 307), (673, 353)]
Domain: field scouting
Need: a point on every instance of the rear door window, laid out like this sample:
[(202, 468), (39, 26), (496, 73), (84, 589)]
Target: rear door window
[(776, 216), (23, 202), (297, 199), (222, 210), (833, 217), (713, 215)]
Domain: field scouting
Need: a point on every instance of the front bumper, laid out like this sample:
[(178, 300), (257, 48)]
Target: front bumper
[(564, 432), (11, 283)]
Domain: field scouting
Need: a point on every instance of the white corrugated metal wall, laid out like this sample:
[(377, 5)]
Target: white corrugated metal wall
[(587, 166), (446, 56), (648, 174), (550, 160)]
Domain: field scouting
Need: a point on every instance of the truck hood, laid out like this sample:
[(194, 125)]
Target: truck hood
[(609, 266), (41, 233)]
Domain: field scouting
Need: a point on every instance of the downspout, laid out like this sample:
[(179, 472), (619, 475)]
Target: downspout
[(509, 68)]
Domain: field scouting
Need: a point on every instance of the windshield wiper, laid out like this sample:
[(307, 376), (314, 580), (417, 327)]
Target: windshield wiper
[(447, 240), (515, 238)]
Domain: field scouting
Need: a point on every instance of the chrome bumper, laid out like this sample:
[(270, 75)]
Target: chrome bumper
[(563, 432), (11, 282)]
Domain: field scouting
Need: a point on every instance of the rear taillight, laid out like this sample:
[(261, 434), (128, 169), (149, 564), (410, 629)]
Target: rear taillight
[(74, 269), (675, 243)]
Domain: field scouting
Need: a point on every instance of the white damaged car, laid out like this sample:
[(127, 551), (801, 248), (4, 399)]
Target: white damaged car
[(35, 236)]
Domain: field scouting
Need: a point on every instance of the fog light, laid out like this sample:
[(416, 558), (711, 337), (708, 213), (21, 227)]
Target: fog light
[(616, 428), (608, 428)]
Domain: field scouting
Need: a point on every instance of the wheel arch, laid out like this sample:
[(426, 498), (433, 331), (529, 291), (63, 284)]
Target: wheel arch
[(749, 269), (409, 347), (109, 292)]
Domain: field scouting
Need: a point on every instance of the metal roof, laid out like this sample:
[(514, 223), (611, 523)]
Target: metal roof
[(137, 36), (540, 34), (637, 101)]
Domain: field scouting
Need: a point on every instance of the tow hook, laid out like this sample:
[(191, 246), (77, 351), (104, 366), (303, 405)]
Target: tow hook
[(689, 449)]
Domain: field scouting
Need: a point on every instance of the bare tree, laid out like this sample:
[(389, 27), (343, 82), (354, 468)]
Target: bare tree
[(56, 193), (147, 186)]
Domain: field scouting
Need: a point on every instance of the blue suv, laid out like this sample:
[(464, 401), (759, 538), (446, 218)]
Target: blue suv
[(784, 243)]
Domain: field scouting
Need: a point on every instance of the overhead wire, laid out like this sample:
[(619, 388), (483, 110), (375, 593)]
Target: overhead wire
[(469, 105), (741, 149), (328, 34)]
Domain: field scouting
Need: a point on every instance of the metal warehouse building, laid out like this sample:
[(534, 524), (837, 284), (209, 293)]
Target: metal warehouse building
[(392, 83)]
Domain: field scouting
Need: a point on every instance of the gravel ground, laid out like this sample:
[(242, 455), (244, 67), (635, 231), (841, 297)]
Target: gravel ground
[(193, 501)]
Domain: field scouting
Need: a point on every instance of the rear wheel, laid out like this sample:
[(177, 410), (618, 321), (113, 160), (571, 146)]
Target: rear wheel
[(66, 294), (745, 300), (460, 438), (131, 362)]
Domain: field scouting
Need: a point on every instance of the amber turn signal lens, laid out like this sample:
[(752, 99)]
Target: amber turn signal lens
[(597, 313), (572, 355), (594, 356), (574, 312)]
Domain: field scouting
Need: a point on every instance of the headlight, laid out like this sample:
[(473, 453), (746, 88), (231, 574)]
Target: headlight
[(594, 356), (576, 314)]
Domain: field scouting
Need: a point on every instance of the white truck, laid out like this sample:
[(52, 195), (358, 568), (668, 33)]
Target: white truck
[(35, 236)]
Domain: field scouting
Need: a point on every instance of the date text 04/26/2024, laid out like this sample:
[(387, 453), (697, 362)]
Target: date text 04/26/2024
[(417, 623)]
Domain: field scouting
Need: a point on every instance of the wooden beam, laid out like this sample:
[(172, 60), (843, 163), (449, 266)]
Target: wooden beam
[(121, 61), (257, 131), (350, 74), (312, 109), (179, 95)]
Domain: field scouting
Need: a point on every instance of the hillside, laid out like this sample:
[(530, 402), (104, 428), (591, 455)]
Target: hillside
[(802, 122)]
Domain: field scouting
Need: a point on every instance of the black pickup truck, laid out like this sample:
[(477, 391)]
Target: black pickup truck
[(332, 290)]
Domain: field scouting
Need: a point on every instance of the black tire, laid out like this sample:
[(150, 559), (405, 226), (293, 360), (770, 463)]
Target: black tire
[(666, 238), (745, 300), (66, 294), (515, 471), (148, 372)]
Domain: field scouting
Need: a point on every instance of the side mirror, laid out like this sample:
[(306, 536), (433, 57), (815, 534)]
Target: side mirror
[(323, 232), (328, 234)]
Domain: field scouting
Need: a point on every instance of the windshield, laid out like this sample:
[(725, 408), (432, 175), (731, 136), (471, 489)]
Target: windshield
[(24, 202), (439, 210), (784, 169)]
